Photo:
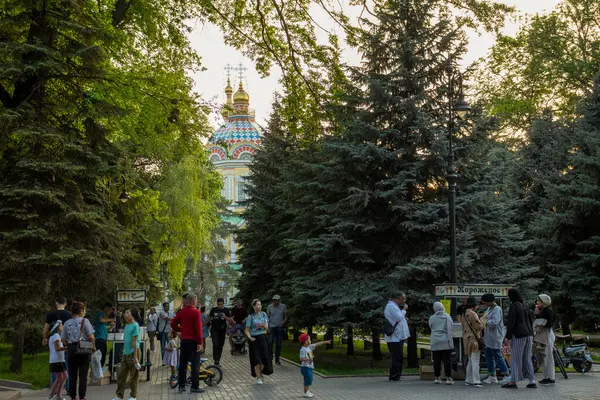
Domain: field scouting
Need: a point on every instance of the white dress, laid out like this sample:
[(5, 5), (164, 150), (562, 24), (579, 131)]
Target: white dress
[(171, 356)]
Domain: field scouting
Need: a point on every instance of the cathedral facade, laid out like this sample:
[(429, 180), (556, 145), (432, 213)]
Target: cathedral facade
[(231, 149)]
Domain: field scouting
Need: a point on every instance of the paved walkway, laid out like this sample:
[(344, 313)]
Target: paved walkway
[(286, 383)]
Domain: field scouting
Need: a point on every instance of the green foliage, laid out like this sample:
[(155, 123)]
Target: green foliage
[(549, 63)]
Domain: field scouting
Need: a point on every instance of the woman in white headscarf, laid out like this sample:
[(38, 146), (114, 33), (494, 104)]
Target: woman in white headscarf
[(544, 338), (441, 342)]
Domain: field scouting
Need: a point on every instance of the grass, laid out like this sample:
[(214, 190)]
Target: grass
[(335, 362), (35, 368)]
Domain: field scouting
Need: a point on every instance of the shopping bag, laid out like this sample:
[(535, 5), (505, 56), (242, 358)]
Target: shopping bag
[(97, 372)]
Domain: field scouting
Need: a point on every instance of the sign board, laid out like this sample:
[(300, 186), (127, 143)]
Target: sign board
[(131, 296), (458, 290)]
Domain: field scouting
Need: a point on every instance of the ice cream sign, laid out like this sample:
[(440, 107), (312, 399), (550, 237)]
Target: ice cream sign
[(471, 290)]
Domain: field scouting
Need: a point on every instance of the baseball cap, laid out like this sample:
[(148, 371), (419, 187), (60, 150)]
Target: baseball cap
[(276, 297), (303, 338)]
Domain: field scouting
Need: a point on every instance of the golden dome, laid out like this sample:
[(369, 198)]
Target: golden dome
[(241, 96), (228, 88)]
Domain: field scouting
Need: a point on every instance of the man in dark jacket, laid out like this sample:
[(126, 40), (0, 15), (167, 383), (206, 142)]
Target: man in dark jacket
[(218, 317)]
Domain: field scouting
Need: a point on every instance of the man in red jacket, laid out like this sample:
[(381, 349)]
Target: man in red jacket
[(188, 322)]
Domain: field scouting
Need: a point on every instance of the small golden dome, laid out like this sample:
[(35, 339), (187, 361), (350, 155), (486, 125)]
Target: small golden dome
[(241, 96), (228, 88)]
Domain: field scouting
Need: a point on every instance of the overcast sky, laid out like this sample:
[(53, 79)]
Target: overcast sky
[(208, 42)]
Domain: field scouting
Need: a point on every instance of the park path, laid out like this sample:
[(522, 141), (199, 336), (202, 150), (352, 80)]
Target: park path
[(286, 383)]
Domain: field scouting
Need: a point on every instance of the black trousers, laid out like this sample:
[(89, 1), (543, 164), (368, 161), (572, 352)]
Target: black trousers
[(189, 353), (397, 356), (439, 357), (101, 345), (218, 341), (78, 366)]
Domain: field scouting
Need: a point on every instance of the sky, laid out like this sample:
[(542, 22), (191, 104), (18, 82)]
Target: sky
[(207, 40)]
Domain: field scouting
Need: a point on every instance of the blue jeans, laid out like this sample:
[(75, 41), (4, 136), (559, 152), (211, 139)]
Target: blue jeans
[(277, 337), (307, 373), (493, 359), (164, 340), (53, 377)]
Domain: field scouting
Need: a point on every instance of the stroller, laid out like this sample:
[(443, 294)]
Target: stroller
[(237, 339)]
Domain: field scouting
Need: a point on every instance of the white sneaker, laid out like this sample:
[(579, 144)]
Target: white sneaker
[(259, 381), (449, 381), (308, 395), (437, 381), (490, 380), (505, 380), (311, 393), (478, 385)]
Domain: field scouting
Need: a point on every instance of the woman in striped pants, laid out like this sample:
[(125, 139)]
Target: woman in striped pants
[(519, 331)]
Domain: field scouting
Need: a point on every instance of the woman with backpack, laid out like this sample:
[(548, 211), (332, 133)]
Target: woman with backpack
[(519, 330)]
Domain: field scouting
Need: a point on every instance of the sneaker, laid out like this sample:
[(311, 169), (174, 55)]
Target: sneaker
[(278, 362), (504, 380), (311, 393), (547, 381), (532, 386), (509, 385), (437, 381), (308, 395), (468, 383), (449, 381), (196, 390), (490, 380), (182, 390), (478, 385), (259, 381)]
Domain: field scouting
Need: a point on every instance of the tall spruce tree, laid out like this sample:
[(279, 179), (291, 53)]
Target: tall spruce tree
[(569, 222)]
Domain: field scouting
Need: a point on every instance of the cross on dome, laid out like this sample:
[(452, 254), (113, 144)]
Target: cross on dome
[(228, 68), (241, 70)]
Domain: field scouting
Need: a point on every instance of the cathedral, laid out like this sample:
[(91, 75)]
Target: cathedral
[(231, 149)]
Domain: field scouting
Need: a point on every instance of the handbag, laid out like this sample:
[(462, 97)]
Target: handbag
[(84, 347), (480, 344)]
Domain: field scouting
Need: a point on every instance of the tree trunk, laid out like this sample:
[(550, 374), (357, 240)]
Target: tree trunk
[(329, 336), (412, 351), (16, 359), (310, 331), (350, 348), (296, 335), (377, 356)]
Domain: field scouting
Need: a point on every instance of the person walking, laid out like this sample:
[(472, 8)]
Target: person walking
[(257, 325), (55, 315), (164, 327), (277, 313), (129, 367), (57, 361), (152, 327), (493, 336), (395, 314), (76, 329), (519, 330), (218, 318), (205, 328), (441, 342), (101, 331), (188, 322), (471, 327), (544, 338)]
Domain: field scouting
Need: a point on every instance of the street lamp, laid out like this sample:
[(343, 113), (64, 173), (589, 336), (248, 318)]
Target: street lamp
[(458, 105), (124, 196)]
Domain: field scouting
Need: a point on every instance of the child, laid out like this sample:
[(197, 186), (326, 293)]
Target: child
[(308, 362), (57, 361), (171, 353)]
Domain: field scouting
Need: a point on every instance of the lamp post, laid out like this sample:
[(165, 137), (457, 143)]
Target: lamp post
[(458, 105)]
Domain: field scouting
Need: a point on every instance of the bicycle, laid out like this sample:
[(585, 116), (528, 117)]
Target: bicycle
[(212, 375)]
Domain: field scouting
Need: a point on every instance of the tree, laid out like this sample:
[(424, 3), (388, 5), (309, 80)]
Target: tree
[(545, 65), (568, 223)]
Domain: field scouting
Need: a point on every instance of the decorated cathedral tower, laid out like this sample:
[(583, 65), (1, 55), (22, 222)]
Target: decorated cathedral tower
[(231, 149)]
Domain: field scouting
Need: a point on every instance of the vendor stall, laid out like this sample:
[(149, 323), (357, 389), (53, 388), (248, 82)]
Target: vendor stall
[(453, 292), (125, 299)]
